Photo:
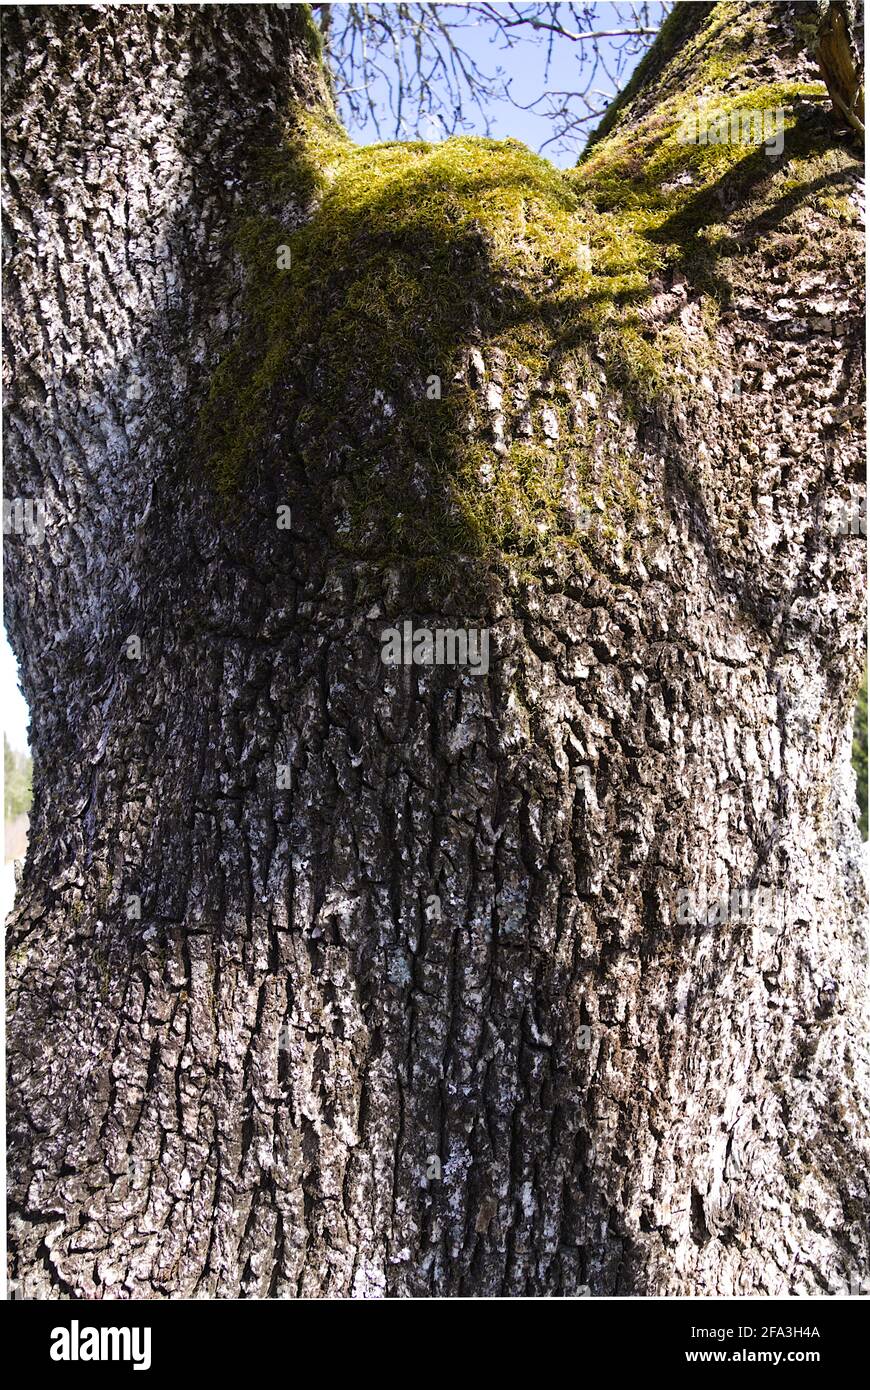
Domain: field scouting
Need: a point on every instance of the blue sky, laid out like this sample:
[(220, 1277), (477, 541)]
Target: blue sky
[(525, 65)]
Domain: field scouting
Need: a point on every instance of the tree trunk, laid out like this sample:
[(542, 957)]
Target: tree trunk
[(330, 977)]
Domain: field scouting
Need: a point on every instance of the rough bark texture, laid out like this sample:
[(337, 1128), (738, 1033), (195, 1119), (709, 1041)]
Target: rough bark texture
[(242, 1092)]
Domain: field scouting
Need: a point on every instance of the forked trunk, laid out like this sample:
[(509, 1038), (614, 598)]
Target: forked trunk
[(540, 974)]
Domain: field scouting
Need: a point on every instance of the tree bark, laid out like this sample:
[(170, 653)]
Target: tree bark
[(426, 1021)]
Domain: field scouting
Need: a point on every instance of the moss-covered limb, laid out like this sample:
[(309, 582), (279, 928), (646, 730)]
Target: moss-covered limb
[(399, 259), (413, 253), (730, 47), (661, 191)]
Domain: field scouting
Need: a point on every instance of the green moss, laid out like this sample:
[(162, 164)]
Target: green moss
[(655, 193), (654, 181), (414, 251), (409, 254)]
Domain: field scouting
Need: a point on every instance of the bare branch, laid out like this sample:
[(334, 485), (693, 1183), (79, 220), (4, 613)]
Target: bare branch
[(404, 68)]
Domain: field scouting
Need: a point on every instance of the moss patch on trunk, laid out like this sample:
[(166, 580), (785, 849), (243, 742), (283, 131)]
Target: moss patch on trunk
[(410, 254)]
